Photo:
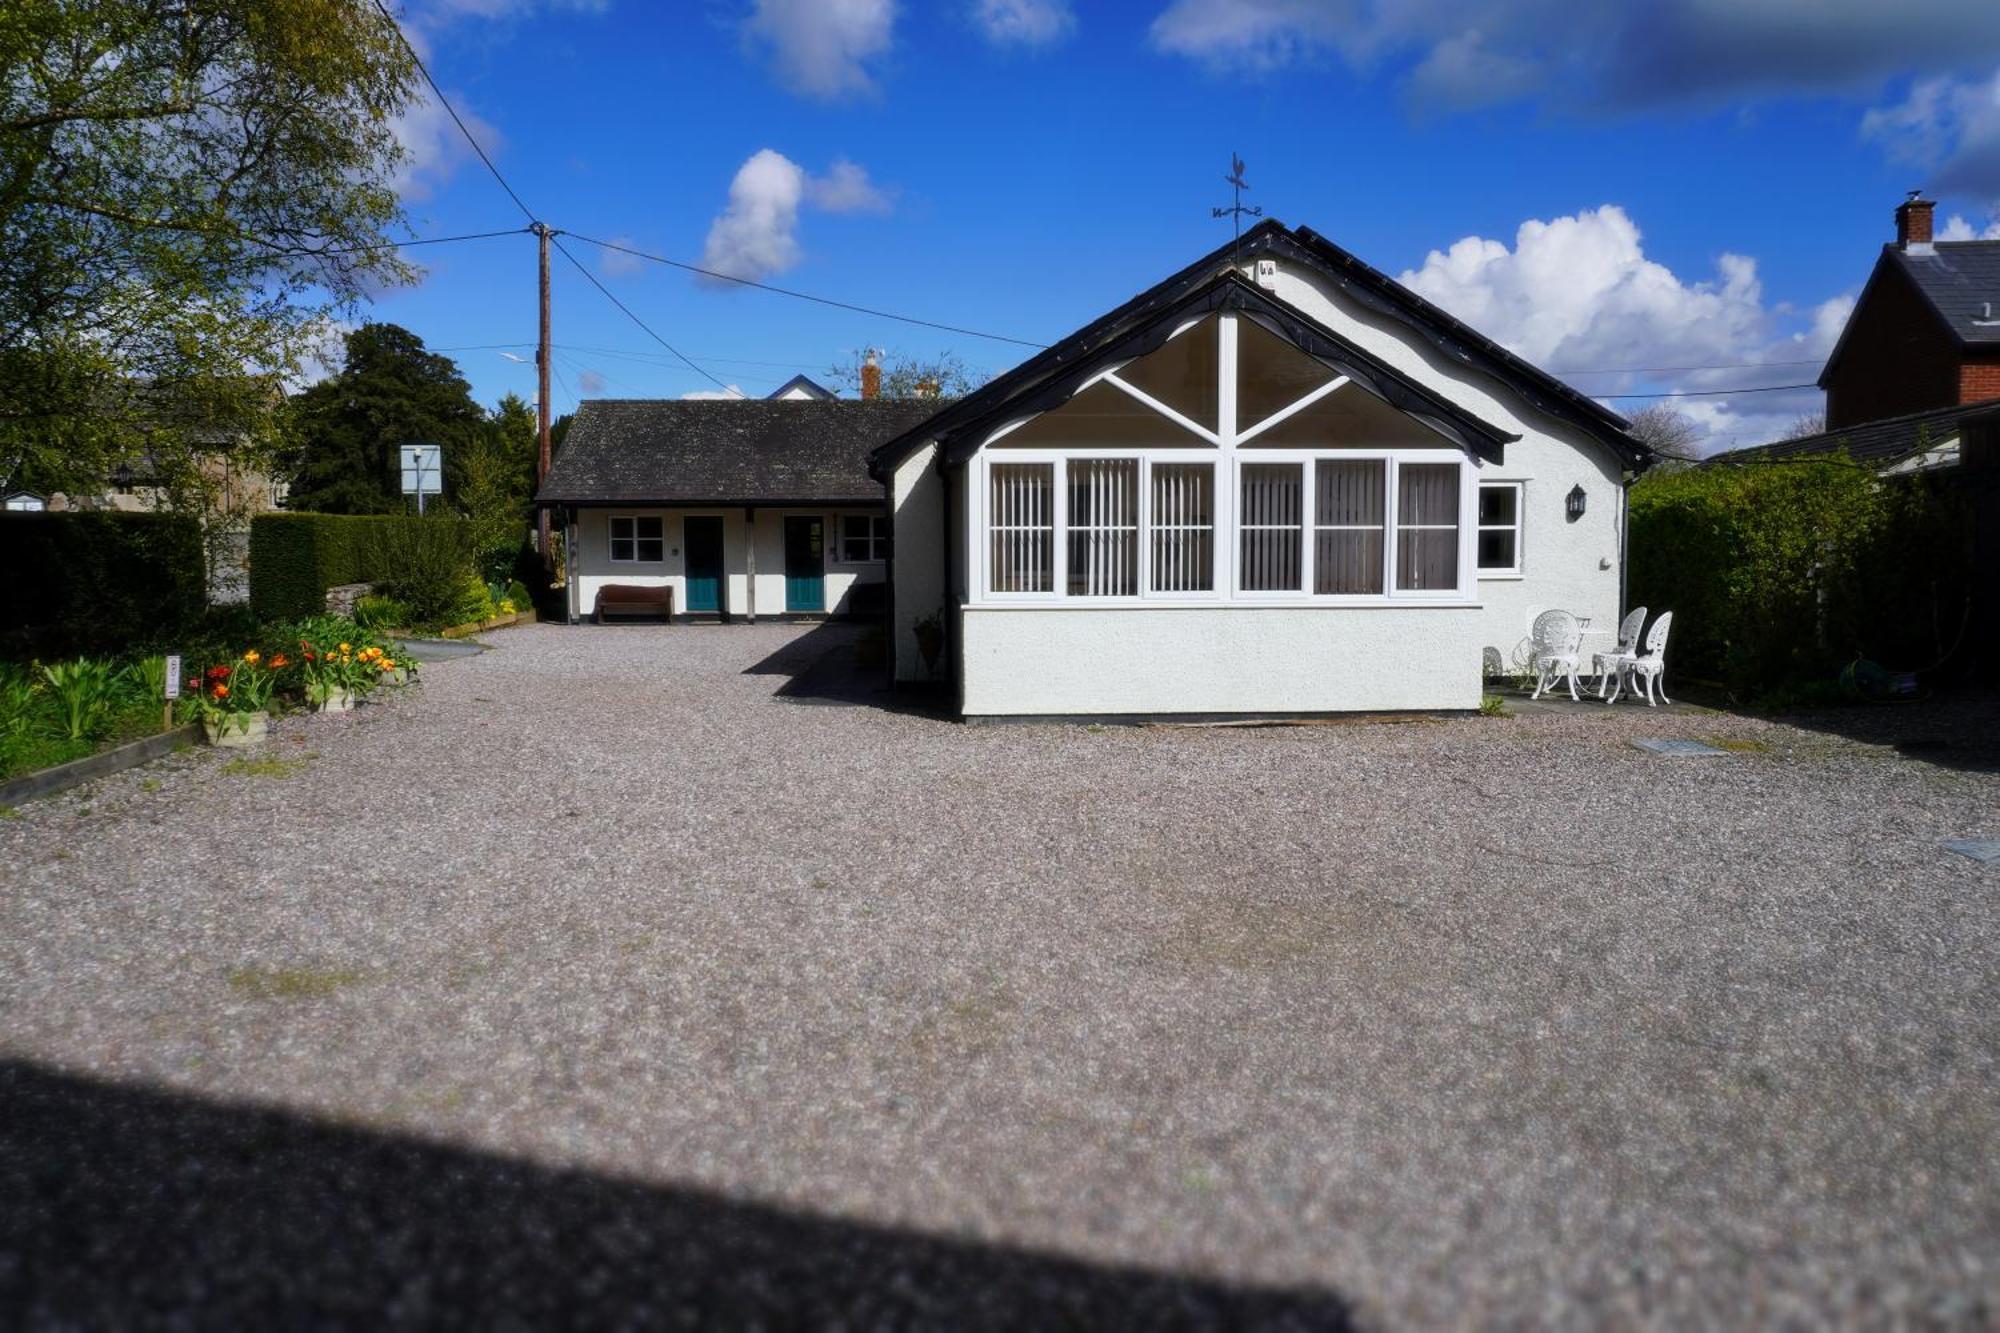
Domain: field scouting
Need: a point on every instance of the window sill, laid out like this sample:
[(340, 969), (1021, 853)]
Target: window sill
[(1501, 576)]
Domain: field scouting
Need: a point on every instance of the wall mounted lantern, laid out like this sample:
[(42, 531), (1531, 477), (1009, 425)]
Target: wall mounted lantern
[(1575, 503)]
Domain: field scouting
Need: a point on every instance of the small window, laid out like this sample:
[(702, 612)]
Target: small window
[(1427, 527), (1023, 527), (639, 539), (1272, 523), (864, 539), (1103, 527), (1500, 527)]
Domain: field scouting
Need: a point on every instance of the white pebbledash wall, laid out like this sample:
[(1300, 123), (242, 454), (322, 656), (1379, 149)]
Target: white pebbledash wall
[(1159, 659), (595, 567)]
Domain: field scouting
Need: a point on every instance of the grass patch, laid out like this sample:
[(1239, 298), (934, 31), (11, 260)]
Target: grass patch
[(290, 983), (1492, 705), (1737, 744), (264, 768)]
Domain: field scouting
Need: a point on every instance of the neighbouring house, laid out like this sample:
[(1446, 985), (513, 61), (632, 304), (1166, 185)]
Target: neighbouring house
[(801, 386), (1924, 334), (743, 507), (1928, 441), (1276, 483), (23, 502)]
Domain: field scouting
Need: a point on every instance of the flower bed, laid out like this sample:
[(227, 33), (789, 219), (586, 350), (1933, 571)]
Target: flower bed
[(325, 663)]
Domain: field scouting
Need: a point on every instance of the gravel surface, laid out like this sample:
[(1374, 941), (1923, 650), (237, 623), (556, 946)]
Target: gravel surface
[(589, 983)]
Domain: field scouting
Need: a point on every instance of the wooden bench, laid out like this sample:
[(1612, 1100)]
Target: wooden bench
[(631, 599)]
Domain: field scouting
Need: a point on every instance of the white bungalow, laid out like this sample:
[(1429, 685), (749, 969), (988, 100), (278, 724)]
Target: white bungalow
[(1276, 483)]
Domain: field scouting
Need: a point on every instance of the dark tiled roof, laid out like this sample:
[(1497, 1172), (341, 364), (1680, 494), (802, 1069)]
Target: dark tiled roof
[(1962, 280), (1881, 442), (725, 451)]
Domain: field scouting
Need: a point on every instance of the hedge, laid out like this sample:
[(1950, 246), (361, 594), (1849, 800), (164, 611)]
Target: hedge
[(295, 558), (1780, 574), (98, 581)]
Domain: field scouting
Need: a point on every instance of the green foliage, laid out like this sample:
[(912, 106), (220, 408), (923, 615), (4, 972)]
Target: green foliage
[(428, 566), (350, 427), (295, 558), (1780, 573), (189, 189), (100, 581), (1492, 705), (381, 613), (942, 377)]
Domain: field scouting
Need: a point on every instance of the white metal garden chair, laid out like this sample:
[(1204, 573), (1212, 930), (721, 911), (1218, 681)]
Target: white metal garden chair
[(1650, 665), (1553, 644), (1610, 666)]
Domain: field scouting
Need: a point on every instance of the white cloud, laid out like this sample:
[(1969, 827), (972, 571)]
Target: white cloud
[(1255, 34), (590, 383), (1578, 294), (616, 263), (1949, 128), (706, 395), (845, 188), (822, 48), (1024, 22), (757, 233), (432, 146), (1956, 228)]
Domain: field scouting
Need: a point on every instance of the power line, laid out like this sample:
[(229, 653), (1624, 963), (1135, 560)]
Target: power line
[(1682, 370), (1712, 393), (452, 111), (805, 296), (426, 240), (582, 268)]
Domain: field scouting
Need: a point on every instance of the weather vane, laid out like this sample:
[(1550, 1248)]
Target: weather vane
[(1238, 185)]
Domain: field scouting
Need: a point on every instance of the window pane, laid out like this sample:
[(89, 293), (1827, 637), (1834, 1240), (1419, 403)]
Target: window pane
[(1496, 549), (1497, 504), (621, 529), (1103, 415), (1022, 527), (652, 549), (1183, 527), (652, 528), (1347, 553), (1183, 373), (1350, 417), (621, 548), (1271, 520), (1103, 527), (1271, 374), (1427, 527)]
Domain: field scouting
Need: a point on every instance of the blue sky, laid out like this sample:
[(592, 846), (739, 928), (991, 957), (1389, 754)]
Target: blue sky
[(1704, 185)]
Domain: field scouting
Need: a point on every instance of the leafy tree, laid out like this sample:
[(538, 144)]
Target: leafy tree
[(497, 478), (349, 427), (189, 189), (942, 376)]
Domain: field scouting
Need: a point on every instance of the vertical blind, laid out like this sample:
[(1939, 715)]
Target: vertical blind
[(1272, 521), (1024, 527), (1183, 527), (1427, 527), (1103, 527), (1348, 527)]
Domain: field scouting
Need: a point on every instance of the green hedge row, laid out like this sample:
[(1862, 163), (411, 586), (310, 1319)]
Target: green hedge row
[(98, 581), (295, 558), (1780, 574)]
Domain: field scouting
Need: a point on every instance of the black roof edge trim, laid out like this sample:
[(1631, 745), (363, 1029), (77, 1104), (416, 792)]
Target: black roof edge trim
[(653, 502), (1232, 292)]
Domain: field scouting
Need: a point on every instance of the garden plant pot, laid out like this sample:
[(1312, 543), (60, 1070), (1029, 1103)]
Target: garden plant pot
[(237, 729), (336, 701)]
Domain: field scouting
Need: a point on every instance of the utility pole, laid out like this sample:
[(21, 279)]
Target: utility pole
[(542, 405)]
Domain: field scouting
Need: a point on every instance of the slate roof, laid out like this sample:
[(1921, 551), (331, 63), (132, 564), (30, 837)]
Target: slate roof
[(632, 451), (1043, 376), (1876, 442), (1961, 280)]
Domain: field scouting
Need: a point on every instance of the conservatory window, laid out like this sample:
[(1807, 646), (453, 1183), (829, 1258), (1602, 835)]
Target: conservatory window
[(1023, 527), (1348, 526), (1183, 527), (1427, 527), (1271, 520), (1103, 527)]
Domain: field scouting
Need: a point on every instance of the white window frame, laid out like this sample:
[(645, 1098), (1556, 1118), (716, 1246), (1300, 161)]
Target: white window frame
[(877, 540), (1230, 451), (1518, 527), (611, 539)]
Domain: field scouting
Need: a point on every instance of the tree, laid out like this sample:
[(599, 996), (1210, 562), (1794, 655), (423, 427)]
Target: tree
[(1670, 434), (942, 376), (497, 478), (189, 190), (1807, 423), (348, 428)]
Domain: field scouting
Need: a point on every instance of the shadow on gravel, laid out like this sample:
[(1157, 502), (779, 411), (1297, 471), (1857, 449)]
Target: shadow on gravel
[(122, 1208), (831, 665), (1957, 730)]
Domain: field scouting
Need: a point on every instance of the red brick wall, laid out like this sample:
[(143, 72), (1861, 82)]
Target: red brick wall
[(1979, 378), (1897, 356)]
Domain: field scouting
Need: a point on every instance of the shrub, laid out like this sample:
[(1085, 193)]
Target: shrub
[(381, 613), (427, 565), (84, 692), (98, 581), (295, 558), (474, 602)]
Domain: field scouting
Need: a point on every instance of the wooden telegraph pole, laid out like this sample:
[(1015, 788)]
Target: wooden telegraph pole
[(542, 405)]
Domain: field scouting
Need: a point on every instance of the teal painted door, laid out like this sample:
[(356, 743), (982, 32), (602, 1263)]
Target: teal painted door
[(805, 564), (702, 540)]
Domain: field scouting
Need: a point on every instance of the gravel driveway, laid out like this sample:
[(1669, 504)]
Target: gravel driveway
[(591, 984)]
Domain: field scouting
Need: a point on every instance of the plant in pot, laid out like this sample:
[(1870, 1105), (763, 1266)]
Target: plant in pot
[(232, 701)]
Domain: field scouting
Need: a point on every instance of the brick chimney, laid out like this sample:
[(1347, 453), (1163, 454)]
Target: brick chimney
[(871, 369), (1913, 224)]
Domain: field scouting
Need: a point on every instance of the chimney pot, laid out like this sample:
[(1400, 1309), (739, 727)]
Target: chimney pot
[(1913, 224), (871, 376)]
